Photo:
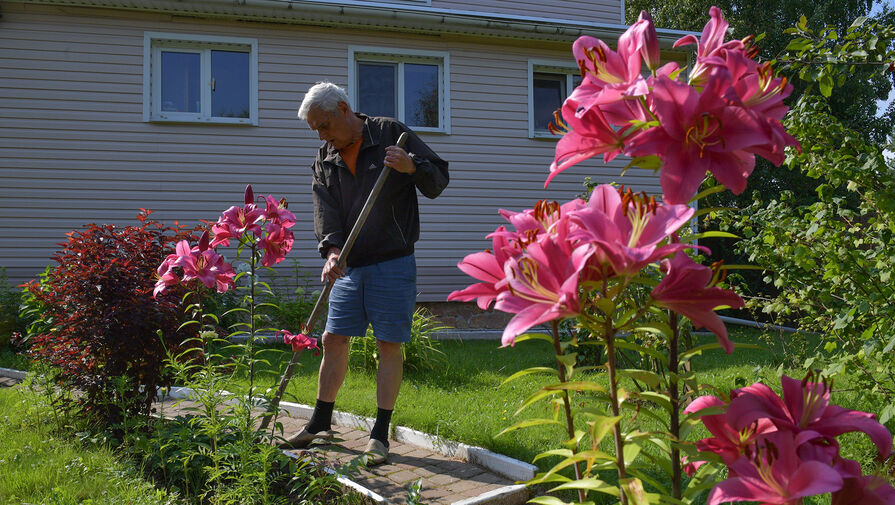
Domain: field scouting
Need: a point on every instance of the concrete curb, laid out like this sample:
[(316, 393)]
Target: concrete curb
[(12, 374)]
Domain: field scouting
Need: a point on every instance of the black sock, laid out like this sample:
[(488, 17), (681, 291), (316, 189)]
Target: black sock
[(380, 429), (322, 418)]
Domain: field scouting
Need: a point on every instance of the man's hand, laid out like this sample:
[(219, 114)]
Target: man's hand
[(399, 160), (331, 270)]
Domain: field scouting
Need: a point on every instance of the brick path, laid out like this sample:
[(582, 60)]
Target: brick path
[(444, 480)]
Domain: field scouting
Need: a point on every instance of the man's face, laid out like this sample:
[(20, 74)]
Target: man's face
[(333, 127)]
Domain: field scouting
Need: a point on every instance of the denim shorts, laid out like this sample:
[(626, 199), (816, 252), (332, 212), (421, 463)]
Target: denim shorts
[(382, 294)]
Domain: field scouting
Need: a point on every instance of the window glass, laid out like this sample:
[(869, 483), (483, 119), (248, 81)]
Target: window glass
[(229, 84), (377, 89), (180, 82), (548, 94), (421, 95)]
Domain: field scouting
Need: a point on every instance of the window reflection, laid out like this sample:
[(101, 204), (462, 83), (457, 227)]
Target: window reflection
[(180, 82)]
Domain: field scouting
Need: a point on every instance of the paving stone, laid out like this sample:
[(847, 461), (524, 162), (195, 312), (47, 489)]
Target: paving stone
[(462, 486), (442, 479), (403, 476)]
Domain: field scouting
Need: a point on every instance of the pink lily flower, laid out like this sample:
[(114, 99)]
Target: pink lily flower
[(486, 266), (646, 31), (277, 213), (611, 76), (710, 47), (236, 221), (207, 266), (543, 285), (805, 407), (299, 341), (728, 442), (530, 224), (688, 290), (775, 475), (276, 244), (167, 277), (699, 132), (628, 228), (586, 133), (860, 489)]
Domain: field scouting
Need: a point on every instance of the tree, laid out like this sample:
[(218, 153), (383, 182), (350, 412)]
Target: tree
[(852, 102)]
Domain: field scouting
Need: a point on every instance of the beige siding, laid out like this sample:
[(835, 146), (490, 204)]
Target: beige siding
[(74, 148), (591, 11)]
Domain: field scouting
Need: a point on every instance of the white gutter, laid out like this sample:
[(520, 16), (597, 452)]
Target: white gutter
[(378, 15)]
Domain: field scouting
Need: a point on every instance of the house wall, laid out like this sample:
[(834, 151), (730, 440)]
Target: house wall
[(74, 148), (595, 11)]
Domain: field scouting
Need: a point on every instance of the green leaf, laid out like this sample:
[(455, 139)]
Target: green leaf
[(623, 344), (714, 234), (548, 500), (657, 328), (651, 379), (538, 395), (527, 424), (658, 398), (826, 85), (527, 371), (575, 386), (601, 426), (534, 336), (589, 484), (646, 162), (553, 452), (706, 192), (634, 491)]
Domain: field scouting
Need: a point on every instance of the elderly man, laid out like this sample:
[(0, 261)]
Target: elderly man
[(378, 286)]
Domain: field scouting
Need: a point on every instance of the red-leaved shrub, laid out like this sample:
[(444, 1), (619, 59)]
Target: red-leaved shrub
[(103, 319)]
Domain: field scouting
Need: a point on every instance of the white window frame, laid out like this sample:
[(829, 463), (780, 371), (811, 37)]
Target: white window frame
[(550, 67), (155, 42), (375, 54)]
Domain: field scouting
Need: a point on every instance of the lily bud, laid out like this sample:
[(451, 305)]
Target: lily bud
[(203, 242), (250, 195)]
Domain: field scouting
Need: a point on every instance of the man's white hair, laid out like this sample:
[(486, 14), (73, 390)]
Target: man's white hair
[(323, 95)]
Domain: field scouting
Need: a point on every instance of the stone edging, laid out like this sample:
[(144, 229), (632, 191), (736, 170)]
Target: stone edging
[(12, 374)]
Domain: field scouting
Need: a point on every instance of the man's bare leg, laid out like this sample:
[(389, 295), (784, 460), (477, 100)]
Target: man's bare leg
[(389, 374), (333, 366)]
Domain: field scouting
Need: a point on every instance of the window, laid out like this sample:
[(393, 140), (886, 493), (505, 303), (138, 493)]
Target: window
[(549, 85), (196, 78), (411, 86)]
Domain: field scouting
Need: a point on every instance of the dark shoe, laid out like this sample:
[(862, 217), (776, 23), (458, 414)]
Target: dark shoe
[(304, 438), (376, 452)]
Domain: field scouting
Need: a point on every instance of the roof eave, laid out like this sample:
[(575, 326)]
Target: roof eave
[(377, 15)]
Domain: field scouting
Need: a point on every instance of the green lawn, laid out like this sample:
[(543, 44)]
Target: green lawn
[(462, 401), (40, 464)]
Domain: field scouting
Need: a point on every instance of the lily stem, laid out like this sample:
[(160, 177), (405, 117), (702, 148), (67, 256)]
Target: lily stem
[(673, 395), (570, 423), (614, 405)]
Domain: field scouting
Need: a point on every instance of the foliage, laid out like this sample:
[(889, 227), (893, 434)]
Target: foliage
[(292, 298), (832, 260), (421, 353), (98, 320), (853, 104)]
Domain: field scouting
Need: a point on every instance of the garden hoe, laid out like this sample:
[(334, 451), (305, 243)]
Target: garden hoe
[(324, 296)]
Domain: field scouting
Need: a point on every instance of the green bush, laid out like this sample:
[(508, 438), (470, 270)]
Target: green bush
[(421, 353)]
